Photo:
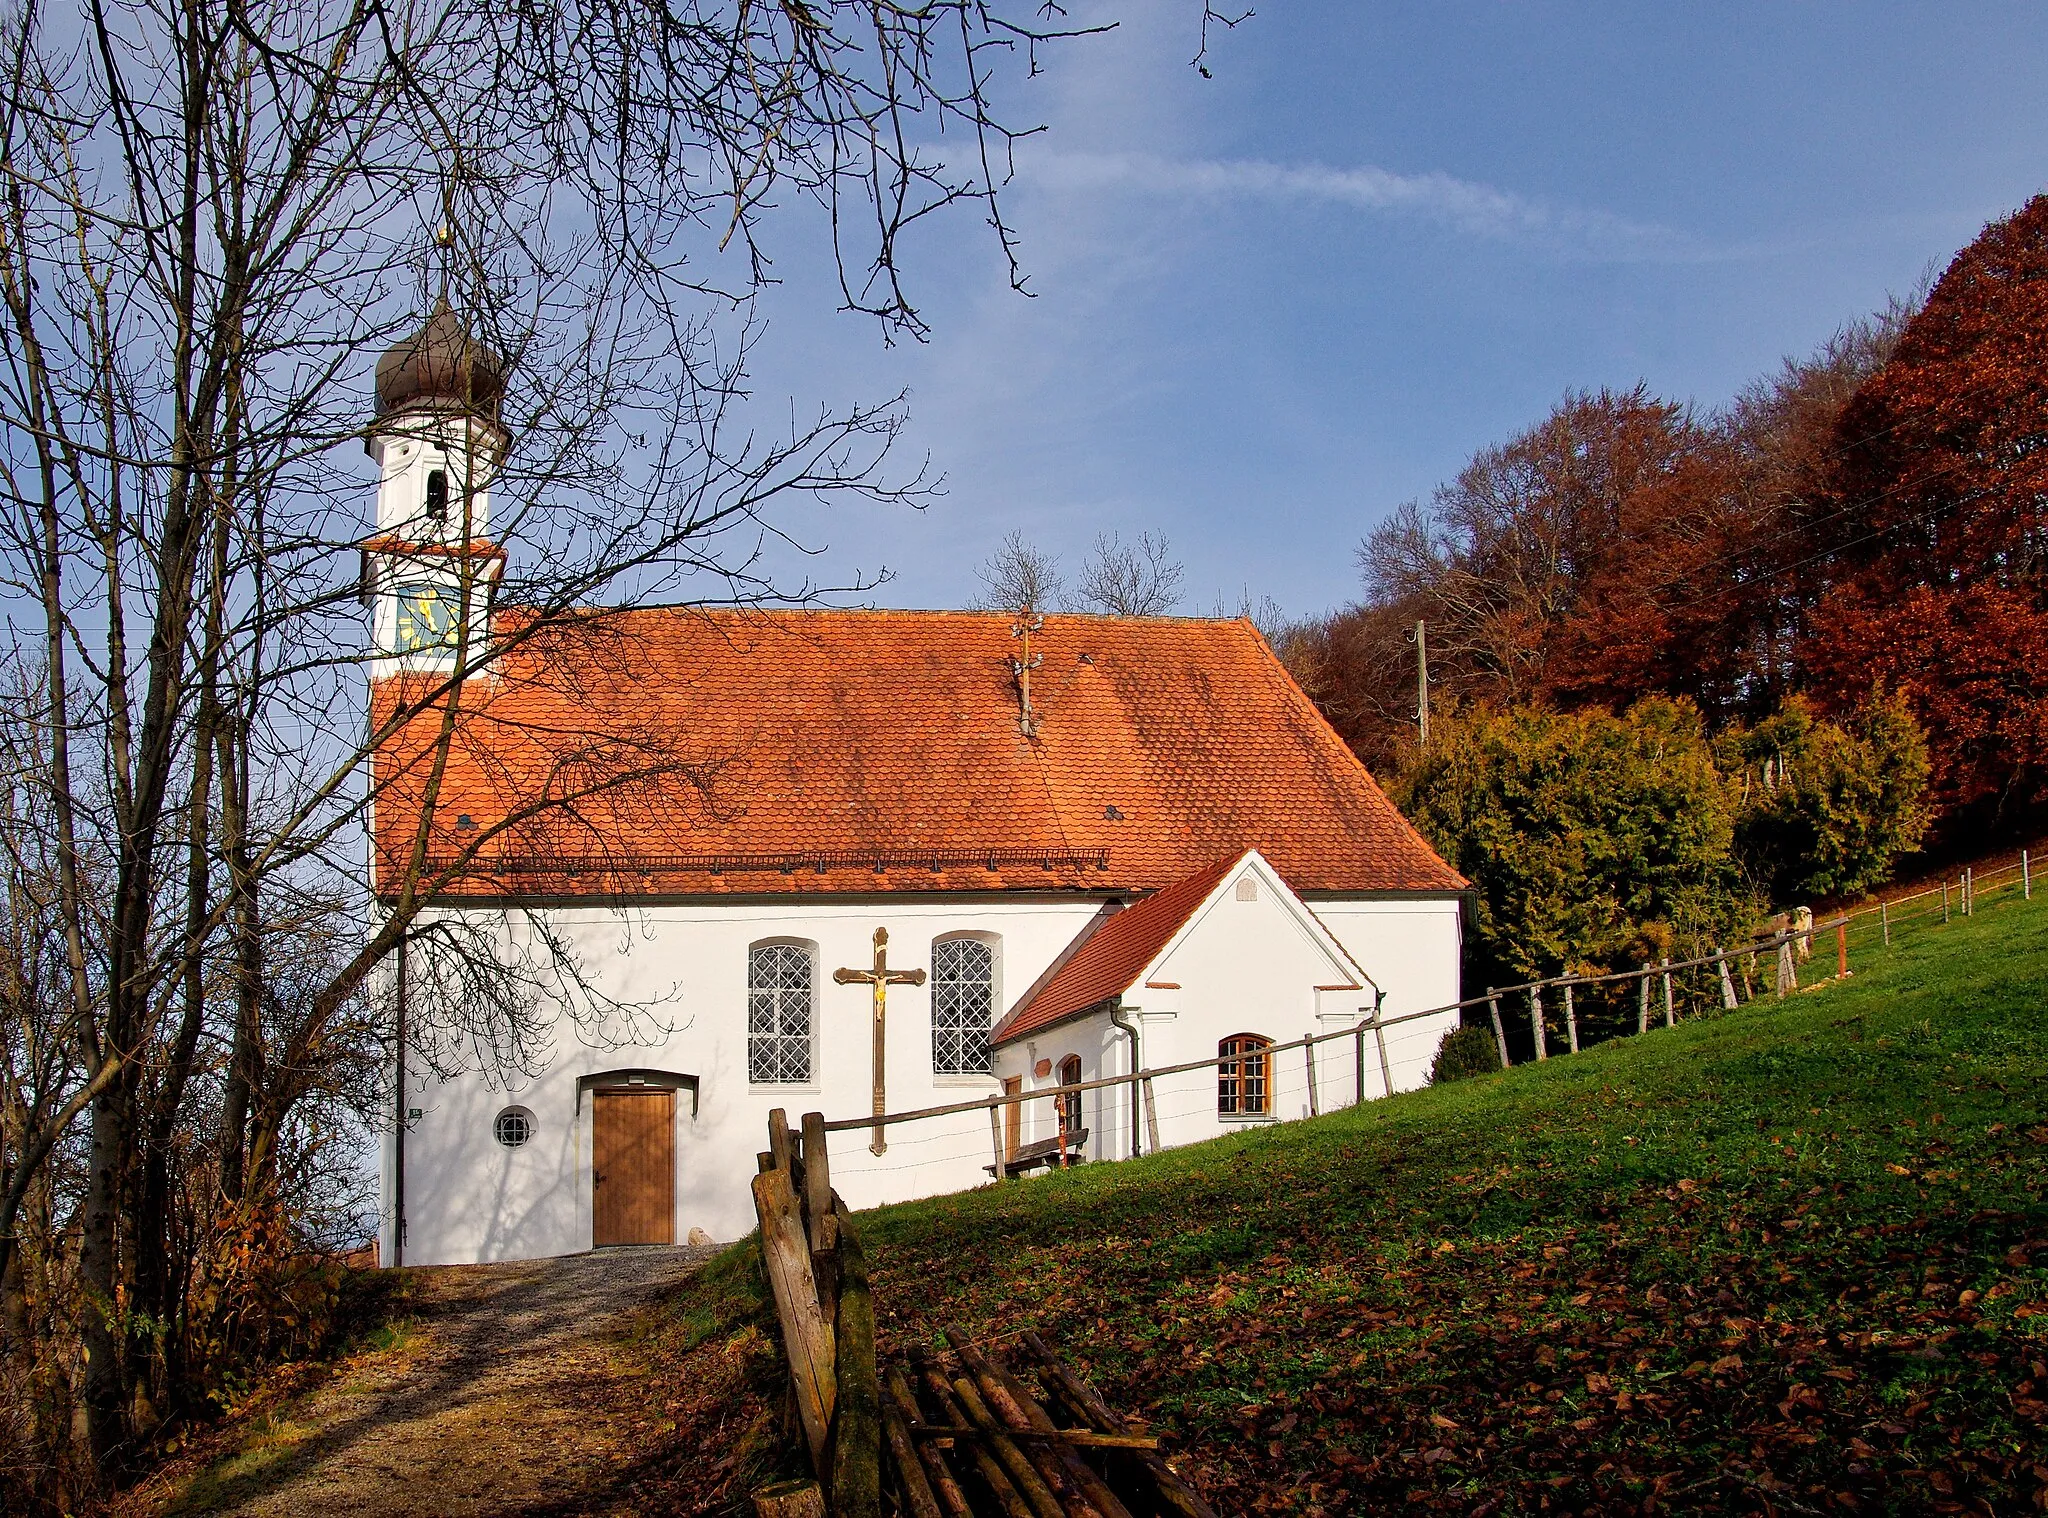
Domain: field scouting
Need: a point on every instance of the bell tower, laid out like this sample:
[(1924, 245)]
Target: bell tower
[(431, 567)]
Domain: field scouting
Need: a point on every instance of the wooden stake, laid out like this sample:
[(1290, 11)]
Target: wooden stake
[(790, 1499), (1500, 1034), (910, 1471), (857, 1410), (1842, 947), (1571, 1018), (1788, 975), (1884, 918), (1308, 1054), (1536, 1022), (1379, 1034), (2026, 877), (1358, 1059), (778, 1139), (944, 1483), (1025, 1476), (1944, 901), (1151, 1118), (806, 1336), (1727, 982), (986, 1465), (1670, 1019), (1643, 1001)]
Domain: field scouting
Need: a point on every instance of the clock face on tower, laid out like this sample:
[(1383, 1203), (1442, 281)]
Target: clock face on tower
[(426, 618)]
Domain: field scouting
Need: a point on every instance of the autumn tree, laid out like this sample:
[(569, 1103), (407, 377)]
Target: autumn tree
[(1930, 552)]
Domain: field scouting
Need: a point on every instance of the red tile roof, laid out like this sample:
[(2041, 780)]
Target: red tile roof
[(676, 751), (1114, 955)]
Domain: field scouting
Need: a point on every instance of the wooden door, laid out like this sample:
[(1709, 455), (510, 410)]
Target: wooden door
[(633, 1168), (1013, 1117)]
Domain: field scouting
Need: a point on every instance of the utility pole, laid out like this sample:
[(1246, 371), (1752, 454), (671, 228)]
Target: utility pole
[(1419, 636)]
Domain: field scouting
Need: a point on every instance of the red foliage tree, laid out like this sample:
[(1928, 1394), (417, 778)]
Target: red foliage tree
[(1973, 663), (1943, 454), (1929, 555)]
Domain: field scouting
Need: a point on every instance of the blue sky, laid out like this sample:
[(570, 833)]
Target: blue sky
[(1274, 304)]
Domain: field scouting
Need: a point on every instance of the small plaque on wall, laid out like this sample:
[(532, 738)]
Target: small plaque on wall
[(1042, 1069)]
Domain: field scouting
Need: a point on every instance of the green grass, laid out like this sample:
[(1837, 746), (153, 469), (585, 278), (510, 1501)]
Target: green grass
[(1794, 1258)]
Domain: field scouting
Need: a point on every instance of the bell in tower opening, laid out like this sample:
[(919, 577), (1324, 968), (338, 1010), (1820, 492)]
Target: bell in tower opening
[(430, 566)]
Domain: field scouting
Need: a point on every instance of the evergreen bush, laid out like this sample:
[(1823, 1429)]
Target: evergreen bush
[(1465, 1052)]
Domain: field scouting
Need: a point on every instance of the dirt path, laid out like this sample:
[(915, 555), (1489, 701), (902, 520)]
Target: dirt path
[(516, 1393)]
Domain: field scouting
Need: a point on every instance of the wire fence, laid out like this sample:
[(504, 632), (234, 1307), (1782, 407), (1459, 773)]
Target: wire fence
[(1562, 1014)]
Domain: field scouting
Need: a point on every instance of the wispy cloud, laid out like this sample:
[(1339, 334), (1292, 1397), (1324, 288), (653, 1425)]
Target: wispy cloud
[(1477, 210)]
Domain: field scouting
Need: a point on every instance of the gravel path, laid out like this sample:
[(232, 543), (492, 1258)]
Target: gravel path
[(516, 1394)]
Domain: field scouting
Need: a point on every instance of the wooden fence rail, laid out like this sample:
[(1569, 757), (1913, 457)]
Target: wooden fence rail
[(1787, 947)]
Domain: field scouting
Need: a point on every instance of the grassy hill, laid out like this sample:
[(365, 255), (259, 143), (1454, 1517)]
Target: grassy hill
[(1792, 1259)]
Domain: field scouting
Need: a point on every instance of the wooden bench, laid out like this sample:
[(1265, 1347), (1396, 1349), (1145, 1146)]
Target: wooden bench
[(1044, 1152)]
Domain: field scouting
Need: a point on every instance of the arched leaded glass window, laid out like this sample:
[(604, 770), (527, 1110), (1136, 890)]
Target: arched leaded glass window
[(963, 1005), (780, 997)]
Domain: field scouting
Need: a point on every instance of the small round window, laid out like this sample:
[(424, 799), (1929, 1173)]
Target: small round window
[(514, 1127)]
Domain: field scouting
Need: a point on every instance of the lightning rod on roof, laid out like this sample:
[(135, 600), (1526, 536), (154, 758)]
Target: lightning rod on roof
[(1022, 664)]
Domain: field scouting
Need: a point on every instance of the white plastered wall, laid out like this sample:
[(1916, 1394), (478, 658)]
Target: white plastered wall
[(469, 1198), (1259, 966)]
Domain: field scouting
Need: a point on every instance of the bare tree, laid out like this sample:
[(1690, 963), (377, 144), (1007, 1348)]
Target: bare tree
[(1139, 579), (1020, 577), (213, 217)]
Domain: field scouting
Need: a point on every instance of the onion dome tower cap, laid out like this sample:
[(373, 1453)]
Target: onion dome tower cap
[(440, 368)]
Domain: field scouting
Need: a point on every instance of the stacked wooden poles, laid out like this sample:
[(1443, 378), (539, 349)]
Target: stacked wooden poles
[(818, 1278), (1084, 1405), (968, 1437)]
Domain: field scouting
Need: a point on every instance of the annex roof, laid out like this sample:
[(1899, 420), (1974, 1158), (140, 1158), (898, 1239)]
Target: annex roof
[(856, 752), (1111, 958)]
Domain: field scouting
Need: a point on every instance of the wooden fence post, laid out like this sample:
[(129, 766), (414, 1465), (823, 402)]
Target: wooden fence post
[(1944, 901), (1643, 1001), (1969, 891), (1571, 1018), (1500, 1034), (2026, 877), (1379, 1036), (1884, 920), (995, 1135), (856, 1481), (1670, 1018), (1308, 1055), (806, 1335), (1788, 976), (1151, 1118), (1358, 1058), (1841, 947), (1728, 1002), (1536, 1022)]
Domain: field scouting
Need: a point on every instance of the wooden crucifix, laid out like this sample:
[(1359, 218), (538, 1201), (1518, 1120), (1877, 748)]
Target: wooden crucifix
[(881, 977)]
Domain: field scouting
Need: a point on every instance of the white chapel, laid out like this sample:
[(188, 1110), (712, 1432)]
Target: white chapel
[(1076, 846)]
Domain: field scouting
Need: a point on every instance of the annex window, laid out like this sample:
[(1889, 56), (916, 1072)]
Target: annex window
[(1243, 1088), (781, 998), (1070, 1103), (963, 1005)]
